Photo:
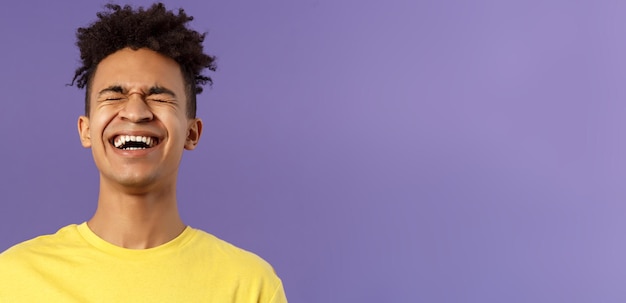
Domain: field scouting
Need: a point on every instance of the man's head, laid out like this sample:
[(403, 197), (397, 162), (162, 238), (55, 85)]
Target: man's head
[(154, 28), (142, 72)]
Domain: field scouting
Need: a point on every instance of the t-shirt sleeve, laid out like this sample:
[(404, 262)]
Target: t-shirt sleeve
[(279, 295)]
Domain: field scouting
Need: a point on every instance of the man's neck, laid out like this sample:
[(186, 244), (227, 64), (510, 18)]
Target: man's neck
[(136, 221)]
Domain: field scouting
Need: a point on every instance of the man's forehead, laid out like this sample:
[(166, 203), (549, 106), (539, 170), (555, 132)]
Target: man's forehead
[(142, 65)]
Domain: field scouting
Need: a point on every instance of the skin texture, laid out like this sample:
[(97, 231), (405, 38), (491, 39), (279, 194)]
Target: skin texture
[(138, 92)]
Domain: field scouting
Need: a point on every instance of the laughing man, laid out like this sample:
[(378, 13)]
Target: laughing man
[(141, 69)]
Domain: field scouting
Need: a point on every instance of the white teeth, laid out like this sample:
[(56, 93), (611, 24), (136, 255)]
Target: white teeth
[(121, 140)]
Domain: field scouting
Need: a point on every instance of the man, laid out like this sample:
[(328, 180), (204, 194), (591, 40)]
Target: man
[(141, 70)]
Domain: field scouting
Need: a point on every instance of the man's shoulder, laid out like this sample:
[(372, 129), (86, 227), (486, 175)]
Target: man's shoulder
[(221, 252), (42, 244)]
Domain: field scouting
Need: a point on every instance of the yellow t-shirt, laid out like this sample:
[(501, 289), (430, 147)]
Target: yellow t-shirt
[(75, 265)]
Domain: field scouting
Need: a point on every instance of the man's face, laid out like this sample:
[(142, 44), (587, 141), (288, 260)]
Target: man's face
[(137, 126)]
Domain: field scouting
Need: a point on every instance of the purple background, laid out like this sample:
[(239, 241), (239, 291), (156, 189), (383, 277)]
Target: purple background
[(372, 151)]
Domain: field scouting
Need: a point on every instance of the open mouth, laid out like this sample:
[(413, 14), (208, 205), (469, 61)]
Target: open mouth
[(126, 142)]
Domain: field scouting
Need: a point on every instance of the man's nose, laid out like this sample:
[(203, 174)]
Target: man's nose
[(136, 109)]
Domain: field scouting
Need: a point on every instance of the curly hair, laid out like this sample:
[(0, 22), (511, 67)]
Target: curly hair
[(154, 28)]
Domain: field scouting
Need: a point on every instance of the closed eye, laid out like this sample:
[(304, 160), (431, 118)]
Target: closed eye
[(160, 100)]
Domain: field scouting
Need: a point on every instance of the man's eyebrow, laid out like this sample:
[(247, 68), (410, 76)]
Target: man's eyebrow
[(112, 89), (158, 90)]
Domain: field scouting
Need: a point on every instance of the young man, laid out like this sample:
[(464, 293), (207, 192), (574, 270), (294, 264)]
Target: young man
[(141, 70)]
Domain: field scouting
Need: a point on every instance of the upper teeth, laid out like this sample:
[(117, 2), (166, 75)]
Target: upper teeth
[(121, 140)]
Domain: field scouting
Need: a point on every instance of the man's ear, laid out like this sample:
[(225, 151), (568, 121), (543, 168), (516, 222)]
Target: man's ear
[(194, 130), (83, 131)]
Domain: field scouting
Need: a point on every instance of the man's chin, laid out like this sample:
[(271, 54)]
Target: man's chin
[(133, 183)]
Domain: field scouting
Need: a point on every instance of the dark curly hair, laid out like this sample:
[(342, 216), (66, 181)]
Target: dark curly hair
[(154, 28)]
